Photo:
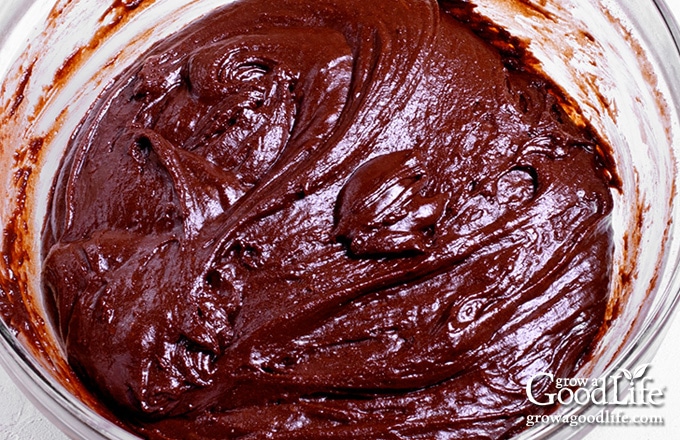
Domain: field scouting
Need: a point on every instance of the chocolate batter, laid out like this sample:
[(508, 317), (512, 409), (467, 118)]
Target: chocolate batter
[(328, 219)]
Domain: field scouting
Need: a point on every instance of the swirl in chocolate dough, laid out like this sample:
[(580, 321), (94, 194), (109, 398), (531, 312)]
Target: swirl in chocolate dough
[(328, 219)]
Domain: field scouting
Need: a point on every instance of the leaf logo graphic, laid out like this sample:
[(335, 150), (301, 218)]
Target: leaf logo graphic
[(640, 372), (625, 373)]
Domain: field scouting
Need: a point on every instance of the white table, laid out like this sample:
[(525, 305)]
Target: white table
[(20, 420)]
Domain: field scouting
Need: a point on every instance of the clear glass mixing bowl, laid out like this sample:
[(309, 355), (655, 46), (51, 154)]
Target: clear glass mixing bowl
[(618, 59)]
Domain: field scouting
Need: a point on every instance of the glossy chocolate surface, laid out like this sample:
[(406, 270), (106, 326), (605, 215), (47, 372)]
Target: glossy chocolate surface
[(328, 219)]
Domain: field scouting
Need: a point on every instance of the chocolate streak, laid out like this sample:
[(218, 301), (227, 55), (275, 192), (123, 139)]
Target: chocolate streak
[(328, 219)]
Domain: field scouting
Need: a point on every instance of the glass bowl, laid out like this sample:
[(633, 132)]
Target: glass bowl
[(617, 59)]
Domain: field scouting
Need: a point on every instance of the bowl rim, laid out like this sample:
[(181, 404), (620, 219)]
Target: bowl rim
[(36, 383)]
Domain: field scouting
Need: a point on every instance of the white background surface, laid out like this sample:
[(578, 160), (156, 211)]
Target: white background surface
[(19, 420)]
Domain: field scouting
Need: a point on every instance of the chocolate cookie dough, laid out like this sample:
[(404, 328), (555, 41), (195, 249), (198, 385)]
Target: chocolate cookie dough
[(328, 219)]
